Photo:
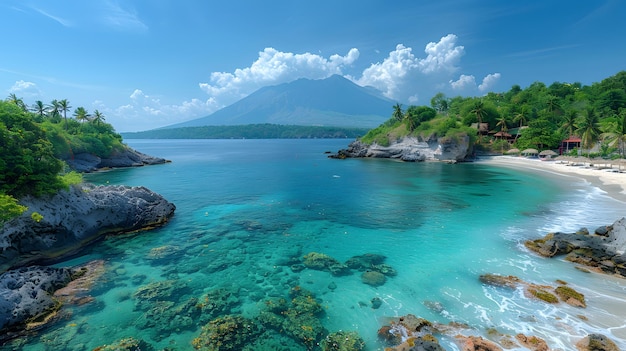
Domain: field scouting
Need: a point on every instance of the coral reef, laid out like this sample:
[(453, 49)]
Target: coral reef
[(127, 344), (298, 318), (323, 262), (373, 278), (343, 341), (230, 332)]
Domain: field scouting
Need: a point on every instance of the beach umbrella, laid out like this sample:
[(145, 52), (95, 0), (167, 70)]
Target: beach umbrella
[(530, 152), (547, 153), (513, 151)]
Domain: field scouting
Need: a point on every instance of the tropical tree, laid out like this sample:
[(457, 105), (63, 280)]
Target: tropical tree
[(17, 102), (397, 112), (39, 108), (54, 108), (81, 114), (97, 117), (64, 106), (616, 133), (440, 103), (568, 124), (588, 128), (521, 117), (480, 112), (502, 121)]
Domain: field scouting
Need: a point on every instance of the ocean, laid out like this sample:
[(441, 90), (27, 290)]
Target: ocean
[(249, 210)]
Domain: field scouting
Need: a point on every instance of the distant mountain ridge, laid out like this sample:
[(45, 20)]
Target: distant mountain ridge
[(334, 101)]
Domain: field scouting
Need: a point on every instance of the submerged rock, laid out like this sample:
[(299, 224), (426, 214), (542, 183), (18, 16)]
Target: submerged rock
[(343, 341), (74, 218), (323, 262), (373, 278)]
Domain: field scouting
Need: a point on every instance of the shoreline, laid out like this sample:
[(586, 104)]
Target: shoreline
[(604, 176)]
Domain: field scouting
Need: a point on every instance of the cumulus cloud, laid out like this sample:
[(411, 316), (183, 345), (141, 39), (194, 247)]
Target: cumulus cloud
[(397, 74), (25, 89), (463, 82), (489, 81), (444, 55), (467, 83), (274, 67)]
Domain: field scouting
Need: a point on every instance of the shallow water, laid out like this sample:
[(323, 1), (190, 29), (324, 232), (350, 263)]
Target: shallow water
[(246, 209)]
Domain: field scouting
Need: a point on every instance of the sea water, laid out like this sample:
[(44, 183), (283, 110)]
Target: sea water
[(247, 208)]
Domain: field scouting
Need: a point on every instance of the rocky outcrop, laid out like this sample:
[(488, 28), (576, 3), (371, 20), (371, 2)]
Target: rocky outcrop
[(411, 149), (129, 157), (57, 226), (27, 297), (604, 250)]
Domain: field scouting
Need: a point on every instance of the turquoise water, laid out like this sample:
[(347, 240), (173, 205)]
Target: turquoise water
[(248, 209)]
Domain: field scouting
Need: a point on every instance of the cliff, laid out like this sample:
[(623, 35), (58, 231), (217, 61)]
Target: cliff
[(411, 149)]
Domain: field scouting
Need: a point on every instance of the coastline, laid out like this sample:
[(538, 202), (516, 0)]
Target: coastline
[(604, 175)]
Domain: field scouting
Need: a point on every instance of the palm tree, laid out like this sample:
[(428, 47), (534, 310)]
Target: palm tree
[(616, 133), (409, 121), (17, 101), (39, 108), (397, 112), (480, 112), (64, 106), (522, 117), (588, 128), (81, 114), (54, 108), (98, 117)]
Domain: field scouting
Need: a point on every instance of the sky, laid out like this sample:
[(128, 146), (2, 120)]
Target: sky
[(145, 64)]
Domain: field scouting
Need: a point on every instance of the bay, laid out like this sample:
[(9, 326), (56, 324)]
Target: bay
[(249, 210)]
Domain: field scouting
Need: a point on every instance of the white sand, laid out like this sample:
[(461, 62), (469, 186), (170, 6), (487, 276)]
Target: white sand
[(610, 177)]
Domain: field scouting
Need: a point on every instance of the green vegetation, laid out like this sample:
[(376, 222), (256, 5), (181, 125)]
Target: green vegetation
[(249, 131), (538, 117), (33, 143)]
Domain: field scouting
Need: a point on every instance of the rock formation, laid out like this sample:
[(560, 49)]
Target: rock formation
[(71, 219), (84, 162), (411, 149), (604, 250)]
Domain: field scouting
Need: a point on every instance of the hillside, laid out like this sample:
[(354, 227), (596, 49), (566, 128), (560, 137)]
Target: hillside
[(334, 101)]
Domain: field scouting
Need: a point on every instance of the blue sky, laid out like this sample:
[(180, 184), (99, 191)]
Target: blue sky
[(152, 63)]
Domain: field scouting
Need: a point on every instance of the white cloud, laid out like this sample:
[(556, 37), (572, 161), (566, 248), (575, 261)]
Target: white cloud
[(402, 75), (442, 56), (489, 81), (386, 76), (26, 90), (467, 83), (274, 67), (464, 82)]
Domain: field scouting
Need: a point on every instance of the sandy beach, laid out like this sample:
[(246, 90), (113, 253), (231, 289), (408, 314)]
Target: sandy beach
[(606, 176)]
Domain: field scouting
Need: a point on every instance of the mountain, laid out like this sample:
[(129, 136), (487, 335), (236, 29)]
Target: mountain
[(334, 101)]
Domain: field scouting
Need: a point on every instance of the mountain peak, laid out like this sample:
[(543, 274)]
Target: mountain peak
[(333, 101)]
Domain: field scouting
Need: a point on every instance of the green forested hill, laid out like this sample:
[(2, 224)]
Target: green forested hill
[(249, 131), (539, 116)]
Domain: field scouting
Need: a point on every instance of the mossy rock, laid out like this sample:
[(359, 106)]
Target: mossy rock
[(230, 332), (365, 262), (323, 262), (343, 341), (570, 296), (126, 344), (373, 278), (543, 295), (503, 281)]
